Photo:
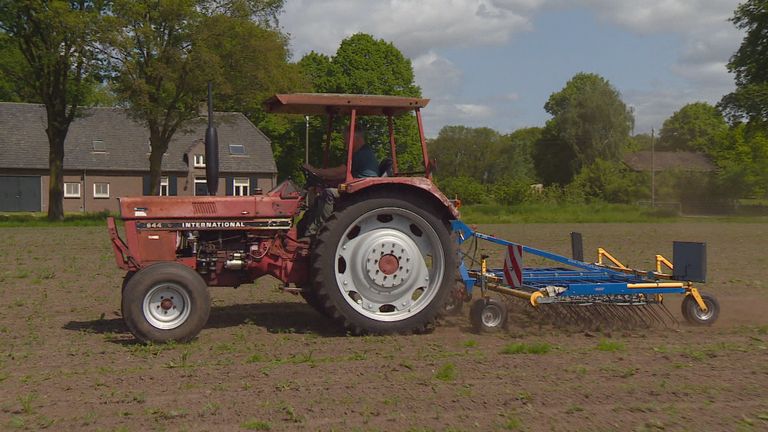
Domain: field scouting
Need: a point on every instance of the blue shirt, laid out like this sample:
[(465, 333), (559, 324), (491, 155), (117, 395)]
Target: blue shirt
[(365, 163)]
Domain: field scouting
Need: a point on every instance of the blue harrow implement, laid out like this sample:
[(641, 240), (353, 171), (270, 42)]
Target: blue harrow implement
[(581, 294)]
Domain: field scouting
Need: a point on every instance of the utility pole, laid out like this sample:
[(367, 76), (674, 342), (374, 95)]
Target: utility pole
[(306, 140), (653, 168)]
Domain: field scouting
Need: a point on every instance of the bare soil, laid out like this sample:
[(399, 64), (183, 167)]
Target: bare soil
[(267, 361)]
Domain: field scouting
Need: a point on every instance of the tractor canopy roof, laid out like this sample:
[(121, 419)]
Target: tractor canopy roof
[(341, 104)]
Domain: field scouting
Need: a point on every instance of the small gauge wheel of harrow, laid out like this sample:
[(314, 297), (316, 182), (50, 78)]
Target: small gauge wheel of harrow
[(693, 314), (488, 315)]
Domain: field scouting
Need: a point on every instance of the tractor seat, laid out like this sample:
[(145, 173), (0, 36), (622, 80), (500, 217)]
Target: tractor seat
[(385, 167)]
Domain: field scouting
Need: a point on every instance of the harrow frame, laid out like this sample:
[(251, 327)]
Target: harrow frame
[(606, 282)]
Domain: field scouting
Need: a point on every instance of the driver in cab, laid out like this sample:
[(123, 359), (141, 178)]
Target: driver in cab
[(364, 164)]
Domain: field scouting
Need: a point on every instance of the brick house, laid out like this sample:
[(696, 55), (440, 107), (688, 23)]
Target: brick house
[(106, 156)]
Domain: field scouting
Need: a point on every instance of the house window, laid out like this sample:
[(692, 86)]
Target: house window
[(98, 146), (236, 149), (241, 186), (100, 190), (201, 186), (71, 190), (199, 161), (164, 191)]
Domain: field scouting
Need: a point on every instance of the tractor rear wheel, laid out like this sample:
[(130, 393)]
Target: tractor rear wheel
[(310, 296), (166, 302), (384, 263)]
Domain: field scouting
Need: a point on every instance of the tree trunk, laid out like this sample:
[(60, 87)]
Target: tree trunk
[(156, 162), (56, 137)]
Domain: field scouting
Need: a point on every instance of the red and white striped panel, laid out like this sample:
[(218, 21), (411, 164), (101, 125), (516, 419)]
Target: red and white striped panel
[(513, 266)]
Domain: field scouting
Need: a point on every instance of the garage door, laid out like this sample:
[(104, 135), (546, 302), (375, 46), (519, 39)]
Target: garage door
[(19, 193)]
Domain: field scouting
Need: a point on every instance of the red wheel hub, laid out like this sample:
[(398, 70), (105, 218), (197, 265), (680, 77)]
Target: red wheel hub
[(166, 304), (388, 264)]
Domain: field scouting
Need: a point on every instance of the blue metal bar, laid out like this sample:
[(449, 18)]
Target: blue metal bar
[(465, 232), (613, 289)]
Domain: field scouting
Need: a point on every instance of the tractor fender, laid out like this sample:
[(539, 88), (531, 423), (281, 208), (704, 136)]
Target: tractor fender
[(420, 185)]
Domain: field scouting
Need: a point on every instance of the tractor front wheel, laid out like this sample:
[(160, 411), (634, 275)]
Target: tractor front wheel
[(166, 302), (384, 263)]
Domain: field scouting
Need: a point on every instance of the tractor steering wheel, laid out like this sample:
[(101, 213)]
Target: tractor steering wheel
[(311, 178)]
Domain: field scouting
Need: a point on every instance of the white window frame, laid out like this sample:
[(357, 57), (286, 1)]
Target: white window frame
[(164, 183), (100, 195), (200, 180), (235, 153), (71, 193), (241, 186), (198, 161), (101, 144)]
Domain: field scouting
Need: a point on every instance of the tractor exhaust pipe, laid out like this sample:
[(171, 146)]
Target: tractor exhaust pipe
[(211, 148)]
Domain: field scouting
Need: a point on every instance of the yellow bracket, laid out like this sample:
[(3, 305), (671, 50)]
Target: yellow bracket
[(604, 253), (696, 296), (661, 260), (534, 298)]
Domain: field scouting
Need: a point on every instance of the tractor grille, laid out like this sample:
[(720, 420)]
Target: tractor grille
[(204, 208)]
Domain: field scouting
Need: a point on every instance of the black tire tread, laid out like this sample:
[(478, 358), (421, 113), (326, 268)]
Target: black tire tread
[(423, 326), (689, 305), (136, 288)]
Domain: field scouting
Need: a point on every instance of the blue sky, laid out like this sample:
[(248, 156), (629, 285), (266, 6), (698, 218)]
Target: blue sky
[(494, 63)]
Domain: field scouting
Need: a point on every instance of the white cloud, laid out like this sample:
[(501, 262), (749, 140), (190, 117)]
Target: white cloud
[(445, 111), (415, 26), (472, 111), (436, 75), (424, 29)]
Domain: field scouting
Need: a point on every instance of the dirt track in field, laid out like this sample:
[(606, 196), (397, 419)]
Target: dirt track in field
[(267, 361)]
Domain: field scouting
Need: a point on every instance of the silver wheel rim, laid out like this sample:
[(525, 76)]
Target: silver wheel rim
[(491, 316), (389, 264), (166, 306), (703, 315)]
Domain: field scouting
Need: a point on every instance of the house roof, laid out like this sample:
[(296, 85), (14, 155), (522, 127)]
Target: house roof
[(24, 144), (668, 161)]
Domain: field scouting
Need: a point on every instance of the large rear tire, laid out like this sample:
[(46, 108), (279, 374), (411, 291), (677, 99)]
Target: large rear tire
[(166, 302), (384, 262)]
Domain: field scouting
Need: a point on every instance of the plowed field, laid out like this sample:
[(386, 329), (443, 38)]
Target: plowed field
[(267, 361)]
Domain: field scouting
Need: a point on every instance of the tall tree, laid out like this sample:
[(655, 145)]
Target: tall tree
[(365, 65), (463, 151), (48, 50), (589, 122), (750, 65), (164, 52), (695, 127)]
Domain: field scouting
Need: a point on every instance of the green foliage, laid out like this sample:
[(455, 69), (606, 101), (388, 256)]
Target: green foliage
[(511, 192), (361, 65), (48, 54), (483, 154), (742, 159), (446, 372), (611, 182), (247, 63), (750, 66), (462, 151), (527, 348), (695, 127), (589, 122), (163, 54), (467, 189), (610, 345), (553, 212)]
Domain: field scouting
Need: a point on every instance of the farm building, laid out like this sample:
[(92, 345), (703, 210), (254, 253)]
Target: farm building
[(106, 156), (668, 161)]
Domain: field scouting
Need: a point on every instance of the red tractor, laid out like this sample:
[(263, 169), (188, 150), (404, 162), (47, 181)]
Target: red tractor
[(384, 262)]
